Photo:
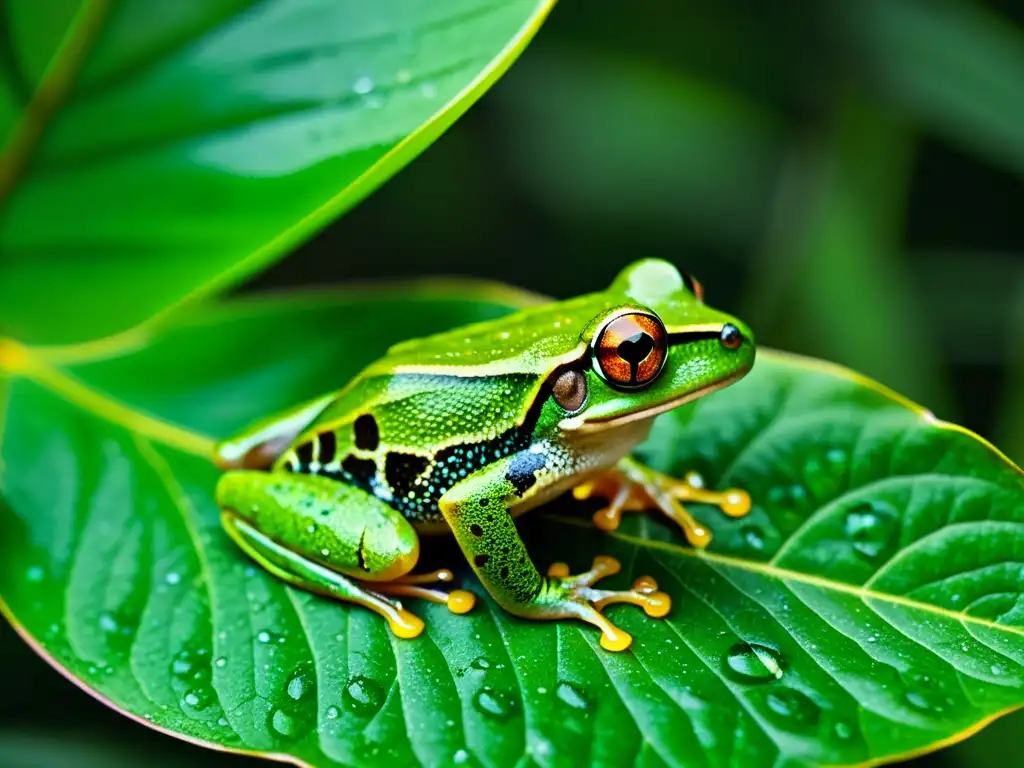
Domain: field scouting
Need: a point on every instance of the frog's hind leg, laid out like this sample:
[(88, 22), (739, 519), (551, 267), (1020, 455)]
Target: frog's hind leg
[(305, 574), (632, 487)]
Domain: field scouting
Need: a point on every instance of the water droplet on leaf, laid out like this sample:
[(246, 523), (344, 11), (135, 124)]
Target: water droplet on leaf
[(754, 663), (283, 723), (572, 696), (496, 704), (871, 529), (363, 696)]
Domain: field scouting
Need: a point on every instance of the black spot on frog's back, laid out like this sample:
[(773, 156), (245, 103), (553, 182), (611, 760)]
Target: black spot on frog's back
[(401, 471), (367, 433), (522, 470)]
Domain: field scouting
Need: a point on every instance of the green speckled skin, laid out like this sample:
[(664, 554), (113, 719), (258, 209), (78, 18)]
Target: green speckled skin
[(460, 431)]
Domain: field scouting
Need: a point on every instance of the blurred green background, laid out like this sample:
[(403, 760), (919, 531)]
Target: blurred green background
[(846, 175)]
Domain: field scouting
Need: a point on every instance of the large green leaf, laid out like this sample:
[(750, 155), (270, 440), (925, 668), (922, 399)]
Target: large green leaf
[(868, 607), (180, 146)]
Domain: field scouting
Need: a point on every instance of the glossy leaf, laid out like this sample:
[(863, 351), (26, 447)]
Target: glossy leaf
[(181, 148), (868, 607)]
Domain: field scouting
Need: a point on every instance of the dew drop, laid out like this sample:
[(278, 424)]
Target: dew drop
[(996, 669), (362, 85), (363, 696), (332, 712), (283, 723), (922, 693), (460, 756), (195, 701), (842, 731), (480, 663), (496, 704), (871, 529), (263, 636), (221, 662), (35, 574), (172, 578), (181, 665), (222, 722), (792, 707), (753, 663), (107, 623), (297, 687), (753, 536), (572, 696)]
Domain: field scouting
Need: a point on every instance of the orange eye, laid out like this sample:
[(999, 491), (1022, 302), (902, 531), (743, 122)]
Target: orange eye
[(630, 350)]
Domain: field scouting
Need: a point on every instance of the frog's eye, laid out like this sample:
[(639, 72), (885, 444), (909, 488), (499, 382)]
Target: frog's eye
[(570, 390), (693, 286), (631, 349)]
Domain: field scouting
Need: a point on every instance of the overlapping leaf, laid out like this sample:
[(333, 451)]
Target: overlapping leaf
[(183, 147), (869, 605)]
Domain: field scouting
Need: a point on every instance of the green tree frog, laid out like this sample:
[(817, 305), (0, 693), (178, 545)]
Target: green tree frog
[(463, 431)]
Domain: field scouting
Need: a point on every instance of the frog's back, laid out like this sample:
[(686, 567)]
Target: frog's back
[(532, 341)]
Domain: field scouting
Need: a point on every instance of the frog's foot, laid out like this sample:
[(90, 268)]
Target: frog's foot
[(632, 487), (564, 596), (312, 576), (458, 600)]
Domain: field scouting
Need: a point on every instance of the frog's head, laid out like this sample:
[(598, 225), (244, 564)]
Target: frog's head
[(656, 347)]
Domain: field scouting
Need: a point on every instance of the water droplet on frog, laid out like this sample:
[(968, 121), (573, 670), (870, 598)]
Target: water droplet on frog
[(332, 712), (996, 669), (753, 536), (792, 708), (460, 756), (871, 529), (107, 623), (221, 662), (297, 687), (572, 696), (754, 663), (362, 85), (363, 696), (222, 722), (480, 663), (35, 574), (283, 723), (172, 578), (842, 731), (496, 704)]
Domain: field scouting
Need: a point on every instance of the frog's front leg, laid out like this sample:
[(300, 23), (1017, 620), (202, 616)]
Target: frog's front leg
[(477, 509), (333, 539), (632, 487)]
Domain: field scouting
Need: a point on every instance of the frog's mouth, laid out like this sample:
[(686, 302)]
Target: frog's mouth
[(581, 425)]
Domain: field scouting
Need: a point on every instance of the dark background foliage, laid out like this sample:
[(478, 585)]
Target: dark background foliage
[(846, 175)]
